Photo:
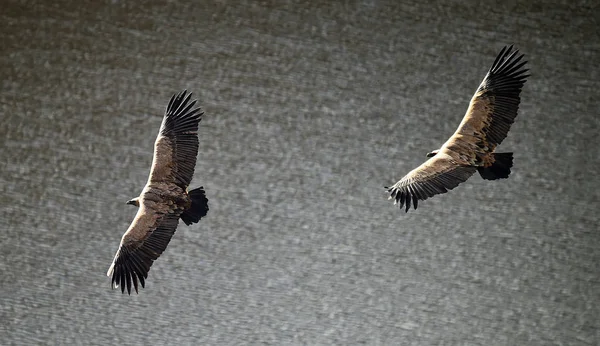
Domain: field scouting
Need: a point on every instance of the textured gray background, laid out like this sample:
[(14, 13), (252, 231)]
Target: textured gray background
[(310, 110)]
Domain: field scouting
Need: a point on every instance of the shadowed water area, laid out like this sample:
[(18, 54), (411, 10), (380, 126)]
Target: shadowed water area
[(311, 108)]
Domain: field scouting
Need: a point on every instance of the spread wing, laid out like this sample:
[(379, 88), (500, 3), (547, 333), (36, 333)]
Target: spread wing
[(494, 106), (144, 241), (176, 146), (435, 176)]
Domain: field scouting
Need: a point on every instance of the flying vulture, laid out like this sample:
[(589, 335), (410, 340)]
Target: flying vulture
[(165, 198), (471, 148)]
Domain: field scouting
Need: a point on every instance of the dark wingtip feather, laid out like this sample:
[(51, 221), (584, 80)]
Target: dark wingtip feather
[(403, 197), (506, 63), (127, 273), (128, 277), (500, 55), (181, 117), (122, 280), (181, 106), (504, 82)]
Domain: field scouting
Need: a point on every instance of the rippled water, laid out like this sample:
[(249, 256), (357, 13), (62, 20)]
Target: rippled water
[(310, 110)]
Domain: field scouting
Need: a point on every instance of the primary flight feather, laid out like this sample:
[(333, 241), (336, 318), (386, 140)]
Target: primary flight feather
[(165, 198), (472, 147)]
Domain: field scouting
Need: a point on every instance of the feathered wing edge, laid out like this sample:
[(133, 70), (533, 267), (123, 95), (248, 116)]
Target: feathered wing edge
[(180, 116), (134, 259), (180, 128), (435, 176), (502, 85)]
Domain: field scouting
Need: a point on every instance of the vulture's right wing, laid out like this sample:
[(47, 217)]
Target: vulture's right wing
[(494, 106), (176, 146), (435, 176), (144, 242)]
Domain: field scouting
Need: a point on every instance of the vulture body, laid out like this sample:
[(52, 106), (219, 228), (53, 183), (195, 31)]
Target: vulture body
[(472, 147), (165, 198)]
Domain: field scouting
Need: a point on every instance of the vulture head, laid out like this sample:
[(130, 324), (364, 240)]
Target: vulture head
[(432, 154), (134, 201)]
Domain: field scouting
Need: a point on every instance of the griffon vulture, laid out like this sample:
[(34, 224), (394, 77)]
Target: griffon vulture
[(471, 148), (165, 198)]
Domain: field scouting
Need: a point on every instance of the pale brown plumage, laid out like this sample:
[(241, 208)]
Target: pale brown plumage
[(164, 199), (471, 148)]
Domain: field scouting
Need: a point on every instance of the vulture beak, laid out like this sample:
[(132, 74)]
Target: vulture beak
[(432, 154), (134, 202)]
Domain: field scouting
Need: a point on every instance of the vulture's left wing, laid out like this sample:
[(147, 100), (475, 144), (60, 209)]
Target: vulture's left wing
[(176, 146), (435, 176), (144, 241)]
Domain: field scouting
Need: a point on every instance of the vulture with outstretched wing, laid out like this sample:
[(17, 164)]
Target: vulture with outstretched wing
[(165, 198), (471, 148)]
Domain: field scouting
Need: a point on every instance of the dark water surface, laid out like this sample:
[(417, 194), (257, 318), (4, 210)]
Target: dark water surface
[(311, 108)]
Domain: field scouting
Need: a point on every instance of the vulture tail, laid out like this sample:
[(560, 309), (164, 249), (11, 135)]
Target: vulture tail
[(500, 169), (198, 209)]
